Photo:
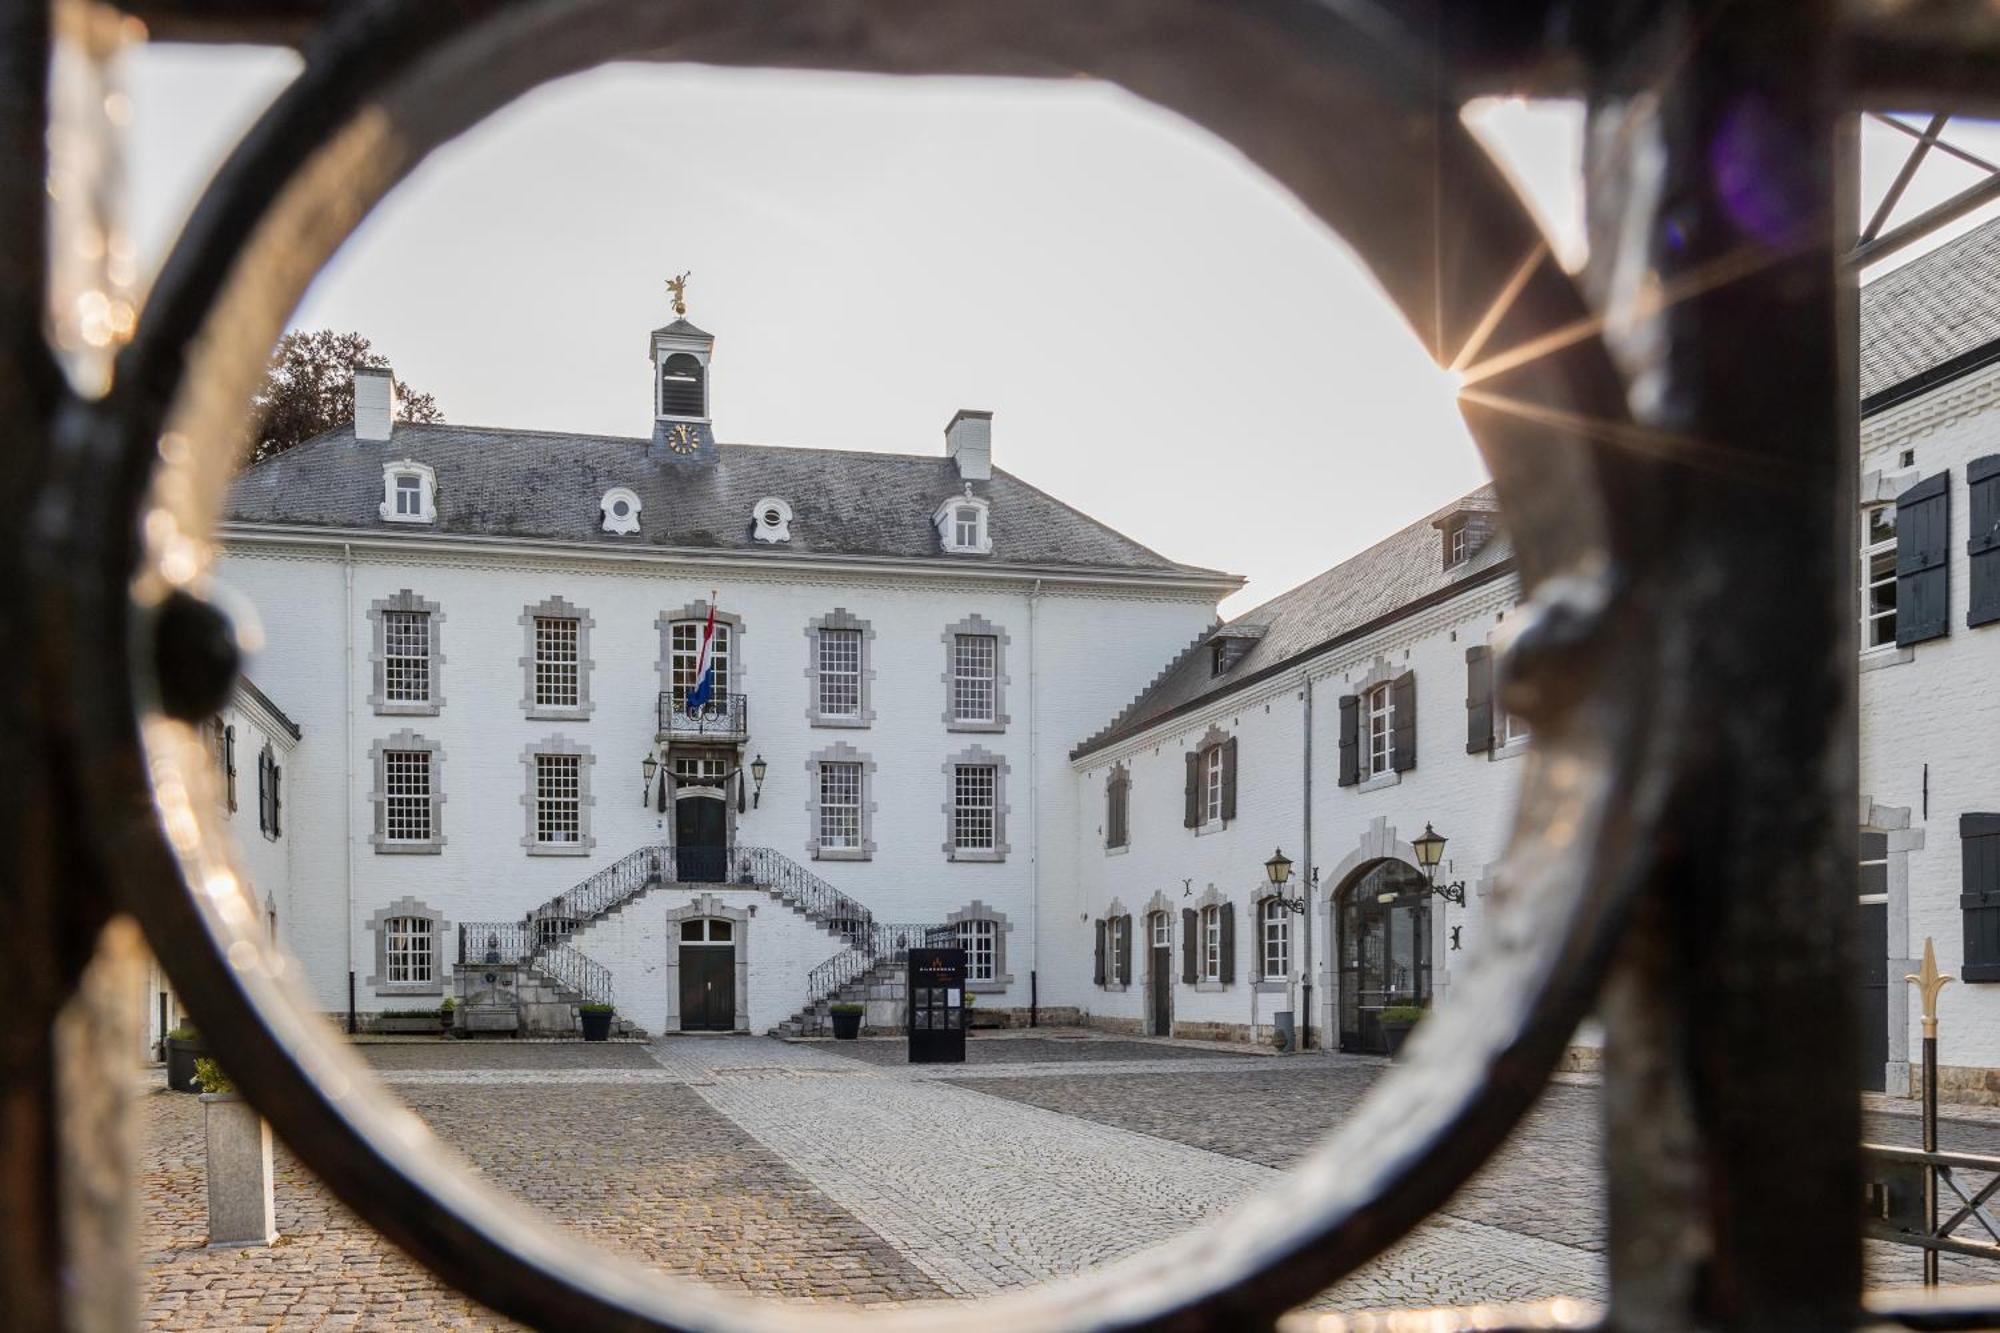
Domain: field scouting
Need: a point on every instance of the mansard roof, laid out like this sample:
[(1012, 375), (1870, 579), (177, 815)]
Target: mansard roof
[(1932, 319), (541, 485), (1390, 579)]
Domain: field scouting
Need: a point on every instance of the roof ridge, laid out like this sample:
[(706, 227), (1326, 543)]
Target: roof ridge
[(1159, 678)]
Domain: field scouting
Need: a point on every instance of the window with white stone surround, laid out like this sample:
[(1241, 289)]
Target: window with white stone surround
[(407, 795), (840, 815), (409, 492), (975, 806), (975, 676), (839, 673), (557, 799), (982, 932), (409, 939), (406, 658), (555, 662)]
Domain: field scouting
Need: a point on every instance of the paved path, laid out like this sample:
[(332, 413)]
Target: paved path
[(985, 1192)]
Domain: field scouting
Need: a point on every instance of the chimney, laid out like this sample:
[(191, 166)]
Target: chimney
[(968, 442), (374, 402)]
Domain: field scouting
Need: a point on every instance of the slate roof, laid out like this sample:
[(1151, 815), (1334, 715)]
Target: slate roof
[(1917, 319), (536, 484), (681, 328), (1389, 577)]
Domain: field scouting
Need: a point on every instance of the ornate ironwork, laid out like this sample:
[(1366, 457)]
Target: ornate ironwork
[(726, 717), (881, 945), (1679, 493)]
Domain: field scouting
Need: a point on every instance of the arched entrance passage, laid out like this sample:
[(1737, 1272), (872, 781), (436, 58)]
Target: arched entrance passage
[(1384, 923)]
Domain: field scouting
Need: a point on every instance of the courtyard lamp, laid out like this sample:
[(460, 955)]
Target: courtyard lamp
[(1429, 848), (1279, 871), (758, 768), (649, 766)]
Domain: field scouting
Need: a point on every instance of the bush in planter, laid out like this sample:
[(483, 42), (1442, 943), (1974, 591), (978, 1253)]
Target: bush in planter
[(184, 1046), (445, 1012), (1396, 1021), (208, 1076), (596, 1020), (846, 1020)]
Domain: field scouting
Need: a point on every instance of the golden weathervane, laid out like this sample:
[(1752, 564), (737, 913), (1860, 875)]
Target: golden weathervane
[(678, 286), (1928, 983)]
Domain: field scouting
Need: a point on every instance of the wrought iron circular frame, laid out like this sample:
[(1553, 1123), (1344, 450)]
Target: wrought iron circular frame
[(1332, 102)]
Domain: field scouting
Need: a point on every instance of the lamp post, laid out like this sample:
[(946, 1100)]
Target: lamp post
[(1279, 871), (648, 766), (758, 768)]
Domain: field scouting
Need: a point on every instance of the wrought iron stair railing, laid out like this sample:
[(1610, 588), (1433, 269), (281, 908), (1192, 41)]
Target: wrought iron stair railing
[(489, 943), (881, 944)]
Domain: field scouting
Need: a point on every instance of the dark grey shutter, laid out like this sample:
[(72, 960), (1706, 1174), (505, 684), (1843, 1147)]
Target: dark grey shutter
[(1255, 971), (1226, 973), (1923, 571), (1229, 779), (1125, 951), (263, 791), (1350, 740), (1097, 973), (277, 799), (229, 763), (1982, 547), (1403, 696), (1190, 928), (1979, 899), (1478, 699), (1191, 818)]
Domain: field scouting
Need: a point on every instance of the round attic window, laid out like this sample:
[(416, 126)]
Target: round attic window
[(620, 507), (773, 519), (621, 510)]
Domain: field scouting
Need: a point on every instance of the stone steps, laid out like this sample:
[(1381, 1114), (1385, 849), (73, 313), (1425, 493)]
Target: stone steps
[(882, 990)]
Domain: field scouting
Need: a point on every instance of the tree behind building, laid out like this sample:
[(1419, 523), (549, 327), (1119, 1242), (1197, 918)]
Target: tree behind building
[(309, 389)]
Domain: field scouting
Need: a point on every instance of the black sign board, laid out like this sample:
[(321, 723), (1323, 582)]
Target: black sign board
[(937, 1006)]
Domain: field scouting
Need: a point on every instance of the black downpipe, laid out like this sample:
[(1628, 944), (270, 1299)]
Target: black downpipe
[(351, 1029), (1034, 1002)]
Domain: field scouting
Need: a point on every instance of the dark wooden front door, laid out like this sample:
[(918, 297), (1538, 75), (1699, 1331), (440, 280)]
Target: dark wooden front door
[(701, 838), (1874, 996), (708, 988), (1162, 980)]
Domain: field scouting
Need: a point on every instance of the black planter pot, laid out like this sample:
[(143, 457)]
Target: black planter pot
[(596, 1027), (846, 1027), (181, 1054), (1395, 1034)]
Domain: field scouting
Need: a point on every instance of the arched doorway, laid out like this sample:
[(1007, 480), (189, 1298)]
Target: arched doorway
[(708, 974), (1159, 974), (701, 835), (1385, 951)]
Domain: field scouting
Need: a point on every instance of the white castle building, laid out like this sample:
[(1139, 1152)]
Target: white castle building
[(949, 705)]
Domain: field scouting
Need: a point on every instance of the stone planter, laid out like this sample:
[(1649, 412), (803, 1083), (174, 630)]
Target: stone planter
[(241, 1210), (426, 1025), (846, 1027), (181, 1055), (1394, 1033), (596, 1027)]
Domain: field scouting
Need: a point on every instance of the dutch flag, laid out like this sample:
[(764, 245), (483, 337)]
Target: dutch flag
[(704, 668)]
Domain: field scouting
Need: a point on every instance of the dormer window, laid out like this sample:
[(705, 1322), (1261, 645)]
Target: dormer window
[(1463, 533), (621, 510), (962, 525), (1454, 547), (1231, 644), (773, 519), (409, 493)]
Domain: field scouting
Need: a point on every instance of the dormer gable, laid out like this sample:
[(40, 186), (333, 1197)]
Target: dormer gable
[(409, 492), (1463, 532), (1231, 644)]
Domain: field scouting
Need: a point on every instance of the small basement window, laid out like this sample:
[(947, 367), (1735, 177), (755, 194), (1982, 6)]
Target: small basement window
[(409, 492)]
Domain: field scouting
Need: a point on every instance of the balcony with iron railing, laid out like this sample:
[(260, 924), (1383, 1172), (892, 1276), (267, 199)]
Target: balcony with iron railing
[(725, 717)]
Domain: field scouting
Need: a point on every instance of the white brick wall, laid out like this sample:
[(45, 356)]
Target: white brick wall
[(1068, 672), (1931, 714)]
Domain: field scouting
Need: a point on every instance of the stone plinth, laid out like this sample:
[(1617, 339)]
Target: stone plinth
[(241, 1209)]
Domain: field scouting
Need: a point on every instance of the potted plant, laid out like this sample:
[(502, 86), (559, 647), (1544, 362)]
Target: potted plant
[(241, 1206), (596, 1019), (846, 1021), (445, 1012), (184, 1047), (1396, 1021)]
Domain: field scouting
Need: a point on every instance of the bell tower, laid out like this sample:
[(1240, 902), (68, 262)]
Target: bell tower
[(680, 355)]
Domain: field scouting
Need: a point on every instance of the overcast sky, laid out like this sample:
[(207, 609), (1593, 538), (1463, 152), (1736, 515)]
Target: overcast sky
[(1167, 340)]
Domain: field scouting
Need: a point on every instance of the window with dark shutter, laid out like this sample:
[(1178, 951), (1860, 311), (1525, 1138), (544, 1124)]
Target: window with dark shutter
[(277, 800), (1225, 971), (1117, 811), (1403, 690), (1192, 816), (1190, 946), (1229, 779), (229, 764), (1923, 571), (264, 792), (1478, 699), (1124, 950), (1982, 546), (1097, 973), (1350, 739), (1979, 897)]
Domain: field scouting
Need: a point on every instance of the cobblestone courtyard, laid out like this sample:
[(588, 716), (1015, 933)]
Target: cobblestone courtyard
[(835, 1172)]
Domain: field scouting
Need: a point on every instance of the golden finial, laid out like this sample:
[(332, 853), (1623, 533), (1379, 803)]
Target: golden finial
[(678, 286), (1928, 983)]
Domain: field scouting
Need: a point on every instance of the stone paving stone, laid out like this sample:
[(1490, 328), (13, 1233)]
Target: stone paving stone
[(997, 1048), (449, 1055)]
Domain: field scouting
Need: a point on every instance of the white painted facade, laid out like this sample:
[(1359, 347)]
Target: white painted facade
[(1930, 728)]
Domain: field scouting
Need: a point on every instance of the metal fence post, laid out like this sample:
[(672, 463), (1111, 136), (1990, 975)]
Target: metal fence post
[(1929, 982)]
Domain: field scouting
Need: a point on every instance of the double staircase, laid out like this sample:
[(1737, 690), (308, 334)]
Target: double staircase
[(537, 944)]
